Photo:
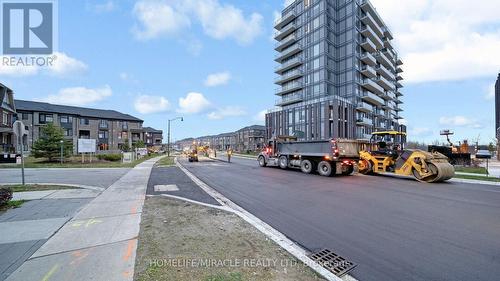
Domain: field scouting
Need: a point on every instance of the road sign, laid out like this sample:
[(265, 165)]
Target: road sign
[(86, 145), (19, 129)]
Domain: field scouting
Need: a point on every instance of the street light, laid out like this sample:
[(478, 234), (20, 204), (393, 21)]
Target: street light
[(168, 134)]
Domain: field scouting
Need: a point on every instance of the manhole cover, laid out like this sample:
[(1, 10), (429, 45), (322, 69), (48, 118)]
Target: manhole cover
[(164, 188), (333, 262)]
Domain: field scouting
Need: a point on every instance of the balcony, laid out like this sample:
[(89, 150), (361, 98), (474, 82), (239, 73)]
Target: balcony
[(399, 85), (289, 76), (399, 62), (381, 126), (289, 88), (368, 45), (285, 19), (398, 101), (379, 113), (367, 7), (368, 71), (387, 106), (368, 59), (399, 94), (364, 121), (368, 32), (391, 95), (290, 51), (381, 58), (369, 20), (295, 98), (398, 109), (399, 77), (388, 44), (285, 43), (372, 86), (364, 107), (279, 35), (289, 65), (388, 33), (399, 69), (386, 84), (372, 98), (382, 70)]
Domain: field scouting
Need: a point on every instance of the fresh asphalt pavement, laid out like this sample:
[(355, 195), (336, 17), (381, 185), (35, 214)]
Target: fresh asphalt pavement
[(100, 177), (163, 176), (394, 229)]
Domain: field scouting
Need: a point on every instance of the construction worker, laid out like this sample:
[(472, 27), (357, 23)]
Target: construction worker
[(229, 153)]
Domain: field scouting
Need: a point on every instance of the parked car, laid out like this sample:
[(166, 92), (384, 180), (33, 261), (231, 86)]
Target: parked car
[(483, 154)]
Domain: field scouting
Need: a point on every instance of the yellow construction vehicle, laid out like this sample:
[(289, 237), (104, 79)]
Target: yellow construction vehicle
[(385, 153)]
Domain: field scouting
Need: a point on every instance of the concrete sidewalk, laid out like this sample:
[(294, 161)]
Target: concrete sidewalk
[(100, 242)]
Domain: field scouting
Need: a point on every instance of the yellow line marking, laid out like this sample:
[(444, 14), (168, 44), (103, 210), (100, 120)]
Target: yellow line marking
[(50, 273)]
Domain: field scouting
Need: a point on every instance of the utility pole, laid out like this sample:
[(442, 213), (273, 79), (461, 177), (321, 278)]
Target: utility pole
[(62, 151), (168, 133)]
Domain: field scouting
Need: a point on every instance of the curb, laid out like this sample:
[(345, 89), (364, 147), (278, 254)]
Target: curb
[(95, 188), (273, 234)]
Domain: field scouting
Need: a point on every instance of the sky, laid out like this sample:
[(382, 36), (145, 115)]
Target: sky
[(211, 62)]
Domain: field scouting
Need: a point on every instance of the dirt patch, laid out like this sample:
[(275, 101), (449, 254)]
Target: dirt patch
[(184, 241)]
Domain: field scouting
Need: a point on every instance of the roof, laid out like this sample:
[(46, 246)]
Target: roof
[(23, 105), (152, 130), (383, 133), (4, 103), (253, 127)]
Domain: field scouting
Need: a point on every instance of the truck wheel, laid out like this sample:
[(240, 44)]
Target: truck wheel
[(283, 162), (262, 161), (325, 168), (306, 166)]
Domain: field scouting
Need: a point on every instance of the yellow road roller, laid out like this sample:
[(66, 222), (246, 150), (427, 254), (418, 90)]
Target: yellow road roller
[(385, 153)]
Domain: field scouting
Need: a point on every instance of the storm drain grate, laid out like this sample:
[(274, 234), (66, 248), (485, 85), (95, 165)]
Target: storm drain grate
[(333, 262)]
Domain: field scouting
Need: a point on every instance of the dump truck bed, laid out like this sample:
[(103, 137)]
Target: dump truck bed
[(346, 148)]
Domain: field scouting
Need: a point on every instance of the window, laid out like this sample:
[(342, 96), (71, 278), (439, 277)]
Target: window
[(46, 118), (68, 132), (103, 134), (66, 119), (123, 135), (124, 125), (5, 118), (84, 121), (25, 116), (103, 124)]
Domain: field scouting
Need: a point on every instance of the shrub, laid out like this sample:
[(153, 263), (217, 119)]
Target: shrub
[(110, 157), (5, 195)]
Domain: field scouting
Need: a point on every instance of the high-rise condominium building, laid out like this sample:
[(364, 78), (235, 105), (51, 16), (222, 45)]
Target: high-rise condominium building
[(339, 75)]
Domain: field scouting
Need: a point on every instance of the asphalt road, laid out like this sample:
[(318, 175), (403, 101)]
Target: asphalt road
[(92, 177), (394, 229)]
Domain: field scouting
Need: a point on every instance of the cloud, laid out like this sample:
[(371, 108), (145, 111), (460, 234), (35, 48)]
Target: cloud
[(145, 104), (462, 44), (217, 79), (79, 96), (105, 7), (260, 116), (193, 103), (228, 111), (63, 66), (127, 77), (460, 121), (219, 21), (157, 18)]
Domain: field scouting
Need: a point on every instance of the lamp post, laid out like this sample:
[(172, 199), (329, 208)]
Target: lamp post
[(168, 133)]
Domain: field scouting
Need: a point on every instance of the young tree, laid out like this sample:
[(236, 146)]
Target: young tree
[(139, 144), (49, 144), (125, 146)]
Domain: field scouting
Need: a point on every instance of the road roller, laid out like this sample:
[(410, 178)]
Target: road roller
[(385, 154)]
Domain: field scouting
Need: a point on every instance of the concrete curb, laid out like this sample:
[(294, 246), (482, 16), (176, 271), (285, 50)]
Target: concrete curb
[(95, 188), (474, 181), (273, 234)]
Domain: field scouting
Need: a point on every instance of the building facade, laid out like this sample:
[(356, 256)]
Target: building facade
[(153, 137), (339, 75), (7, 113), (247, 139), (111, 129)]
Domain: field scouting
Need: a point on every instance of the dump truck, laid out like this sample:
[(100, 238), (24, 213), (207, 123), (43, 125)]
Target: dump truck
[(385, 154), (327, 157)]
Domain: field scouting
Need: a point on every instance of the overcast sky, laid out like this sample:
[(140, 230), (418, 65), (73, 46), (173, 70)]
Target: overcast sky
[(211, 61)]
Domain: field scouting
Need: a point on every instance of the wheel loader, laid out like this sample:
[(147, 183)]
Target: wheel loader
[(385, 153)]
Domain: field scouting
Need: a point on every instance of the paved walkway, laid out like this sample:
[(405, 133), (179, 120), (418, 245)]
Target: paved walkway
[(100, 242)]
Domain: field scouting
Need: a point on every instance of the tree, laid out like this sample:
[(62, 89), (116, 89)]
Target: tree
[(139, 144), (49, 144), (125, 146)]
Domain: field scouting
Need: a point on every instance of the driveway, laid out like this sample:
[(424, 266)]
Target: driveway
[(100, 177)]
